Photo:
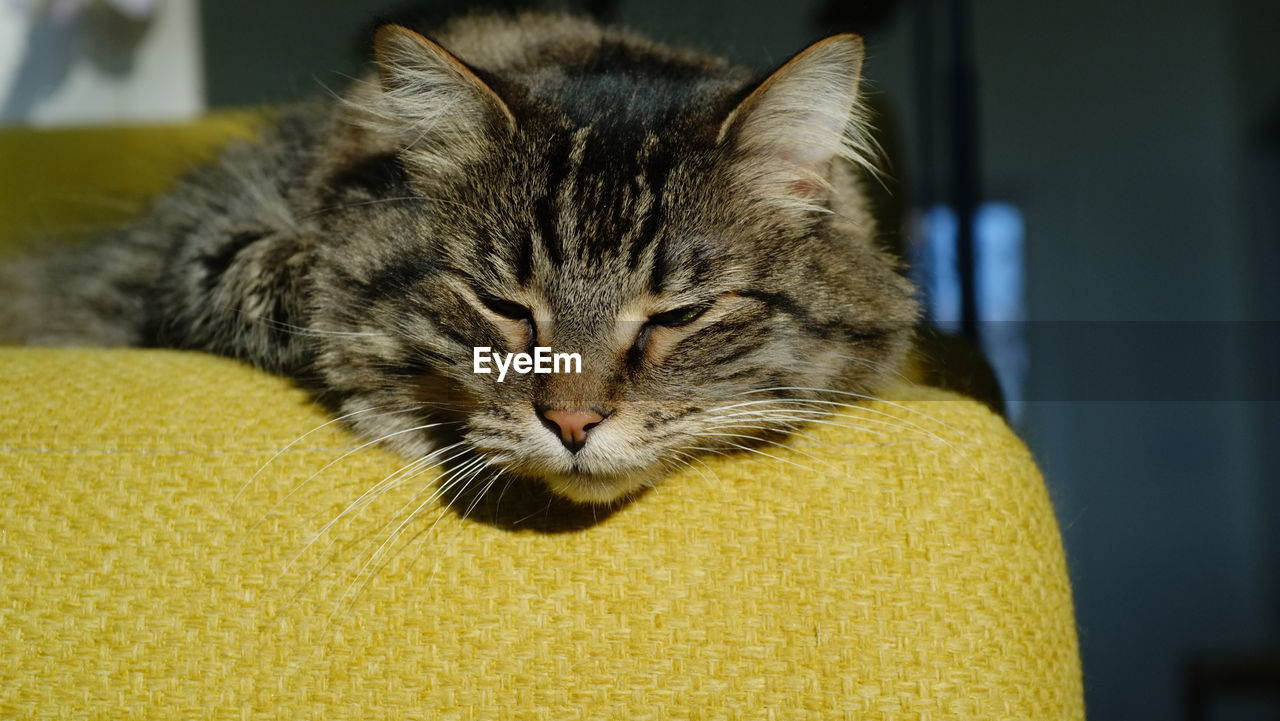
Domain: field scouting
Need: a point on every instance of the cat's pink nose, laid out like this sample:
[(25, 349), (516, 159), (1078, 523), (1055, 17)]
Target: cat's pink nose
[(572, 426)]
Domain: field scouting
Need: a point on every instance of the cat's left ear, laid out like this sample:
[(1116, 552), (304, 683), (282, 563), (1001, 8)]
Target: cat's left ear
[(802, 119), (430, 88)]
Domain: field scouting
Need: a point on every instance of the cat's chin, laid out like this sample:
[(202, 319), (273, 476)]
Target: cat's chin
[(597, 488)]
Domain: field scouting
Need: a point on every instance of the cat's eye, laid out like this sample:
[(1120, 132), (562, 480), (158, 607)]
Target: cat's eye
[(505, 308), (679, 316)]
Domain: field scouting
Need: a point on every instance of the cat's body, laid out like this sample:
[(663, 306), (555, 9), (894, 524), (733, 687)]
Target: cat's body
[(701, 240)]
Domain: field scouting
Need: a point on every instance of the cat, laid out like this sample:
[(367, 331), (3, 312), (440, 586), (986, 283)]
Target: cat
[(699, 236)]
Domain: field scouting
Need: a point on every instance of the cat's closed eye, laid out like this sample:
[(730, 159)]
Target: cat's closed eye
[(678, 317), (506, 308)]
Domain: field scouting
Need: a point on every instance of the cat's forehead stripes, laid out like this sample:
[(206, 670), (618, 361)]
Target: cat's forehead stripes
[(559, 166), (602, 204)]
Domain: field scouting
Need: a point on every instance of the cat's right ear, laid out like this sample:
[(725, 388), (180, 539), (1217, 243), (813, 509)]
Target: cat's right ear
[(799, 121), (429, 88)]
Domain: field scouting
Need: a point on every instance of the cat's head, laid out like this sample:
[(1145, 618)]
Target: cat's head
[(698, 240)]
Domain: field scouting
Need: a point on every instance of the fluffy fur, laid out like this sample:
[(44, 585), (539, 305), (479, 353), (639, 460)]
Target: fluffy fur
[(698, 236)]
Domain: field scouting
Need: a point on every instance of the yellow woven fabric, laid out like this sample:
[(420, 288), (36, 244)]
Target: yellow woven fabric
[(154, 563)]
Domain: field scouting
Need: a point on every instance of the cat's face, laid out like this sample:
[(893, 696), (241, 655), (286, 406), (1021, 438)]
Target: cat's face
[(663, 254)]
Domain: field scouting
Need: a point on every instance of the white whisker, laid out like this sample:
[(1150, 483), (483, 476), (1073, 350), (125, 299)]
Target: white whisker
[(356, 587), (349, 453), (769, 455), (390, 482), (300, 438)]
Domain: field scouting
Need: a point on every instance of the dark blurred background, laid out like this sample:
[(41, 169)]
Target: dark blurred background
[(1089, 192)]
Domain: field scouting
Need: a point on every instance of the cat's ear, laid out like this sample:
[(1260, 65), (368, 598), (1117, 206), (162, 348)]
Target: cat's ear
[(430, 88), (797, 123)]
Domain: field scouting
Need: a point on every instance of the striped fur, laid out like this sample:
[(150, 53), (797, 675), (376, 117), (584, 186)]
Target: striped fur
[(586, 176)]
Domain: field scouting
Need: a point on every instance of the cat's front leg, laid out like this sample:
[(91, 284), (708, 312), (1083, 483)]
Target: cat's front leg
[(242, 294)]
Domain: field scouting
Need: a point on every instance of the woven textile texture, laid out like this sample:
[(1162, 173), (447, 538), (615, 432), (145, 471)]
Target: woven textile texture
[(159, 560)]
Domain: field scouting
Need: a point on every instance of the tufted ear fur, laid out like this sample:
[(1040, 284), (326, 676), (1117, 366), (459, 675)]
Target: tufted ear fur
[(800, 120), (432, 92)]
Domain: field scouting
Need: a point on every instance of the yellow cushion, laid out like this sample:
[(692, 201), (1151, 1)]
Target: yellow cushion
[(74, 181), (159, 560)]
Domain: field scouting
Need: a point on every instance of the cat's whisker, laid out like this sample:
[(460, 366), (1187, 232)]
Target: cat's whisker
[(848, 426), (299, 330), (775, 426), (475, 501), (826, 418), (794, 441), (346, 455), (302, 437), (863, 409), (441, 485), (688, 459), (766, 454), (357, 586), (851, 426), (860, 396), (789, 407), (326, 209), (783, 427), (390, 482), (370, 493), (891, 421), (460, 482), (759, 439), (505, 487), (440, 516), (878, 366), (391, 519)]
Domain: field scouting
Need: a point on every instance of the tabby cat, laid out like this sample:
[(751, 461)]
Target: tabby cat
[(698, 237)]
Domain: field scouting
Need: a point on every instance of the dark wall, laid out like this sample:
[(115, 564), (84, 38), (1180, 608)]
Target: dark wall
[(1121, 129)]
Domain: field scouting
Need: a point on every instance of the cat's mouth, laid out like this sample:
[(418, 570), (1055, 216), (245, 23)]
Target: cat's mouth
[(585, 487)]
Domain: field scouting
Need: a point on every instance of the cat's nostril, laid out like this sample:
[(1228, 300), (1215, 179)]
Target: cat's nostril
[(571, 426)]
